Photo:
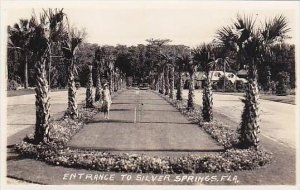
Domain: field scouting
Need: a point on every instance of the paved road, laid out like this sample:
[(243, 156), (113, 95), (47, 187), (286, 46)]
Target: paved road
[(277, 119), (142, 121), (21, 112)]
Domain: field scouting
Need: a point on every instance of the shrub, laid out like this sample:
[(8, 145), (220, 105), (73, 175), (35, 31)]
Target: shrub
[(12, 85), (282, 86)]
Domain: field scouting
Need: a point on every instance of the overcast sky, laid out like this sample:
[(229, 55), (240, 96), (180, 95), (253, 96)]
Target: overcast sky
[(189, 23)]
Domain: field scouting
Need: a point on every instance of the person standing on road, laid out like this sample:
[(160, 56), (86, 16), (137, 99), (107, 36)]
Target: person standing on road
[(106, 101)]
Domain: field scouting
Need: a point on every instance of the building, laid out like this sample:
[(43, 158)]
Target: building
[(214, 76)]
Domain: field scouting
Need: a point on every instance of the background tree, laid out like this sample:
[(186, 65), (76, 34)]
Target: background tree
[(282, 85), (18, 40)]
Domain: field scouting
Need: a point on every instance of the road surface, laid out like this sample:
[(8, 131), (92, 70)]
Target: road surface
[(278, 120), (21, 111)]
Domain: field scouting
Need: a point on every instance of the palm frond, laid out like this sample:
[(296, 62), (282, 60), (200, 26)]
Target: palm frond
[(275, 29)]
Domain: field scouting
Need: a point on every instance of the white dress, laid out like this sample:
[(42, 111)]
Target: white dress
[(106, 100)]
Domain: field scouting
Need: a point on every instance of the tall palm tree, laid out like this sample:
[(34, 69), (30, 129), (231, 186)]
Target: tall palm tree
[(89, 89), (186, 60), (111, 67), (205, 58), (158, 44), (181, 61), (70, 46), (170, 59), (167, 80), (39, 43), (98, 65), (253, 44), (18, 40)]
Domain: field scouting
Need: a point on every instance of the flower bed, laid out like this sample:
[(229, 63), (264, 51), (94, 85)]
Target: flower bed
[(230, 160)]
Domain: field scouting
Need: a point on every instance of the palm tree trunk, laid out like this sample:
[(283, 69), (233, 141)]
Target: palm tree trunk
[(89, 90), (179, 86), (167, 81), (249, 128), (98, 84), (157, 82), (25, 71), (116, 81), (207, 101), (172, 70), (41, 102), (72, 110), (111, 81), (162, 84), (191, 95)]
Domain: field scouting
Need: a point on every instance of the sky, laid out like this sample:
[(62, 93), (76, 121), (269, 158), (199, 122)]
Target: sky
[(130, 23)]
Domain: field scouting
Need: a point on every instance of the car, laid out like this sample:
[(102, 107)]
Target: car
[(134, 86), (144, 86)]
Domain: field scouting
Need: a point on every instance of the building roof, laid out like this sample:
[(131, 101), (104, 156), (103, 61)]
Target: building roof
[(242, 72)]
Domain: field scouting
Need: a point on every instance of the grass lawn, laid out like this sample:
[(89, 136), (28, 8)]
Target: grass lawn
[(289, 99), (21, 92)]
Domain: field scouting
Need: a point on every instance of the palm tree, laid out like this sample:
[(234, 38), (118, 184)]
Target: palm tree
[(162, 78), (18, 40), (167, 80), (89, 89), (181, 61), (253, 44), (98, 65), (169, 57), (111, 68), (205, 58), (186, 60), (39, 43), (158, 44), (70, 46)]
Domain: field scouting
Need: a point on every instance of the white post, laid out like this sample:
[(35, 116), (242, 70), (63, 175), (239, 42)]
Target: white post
[(134, 120)]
